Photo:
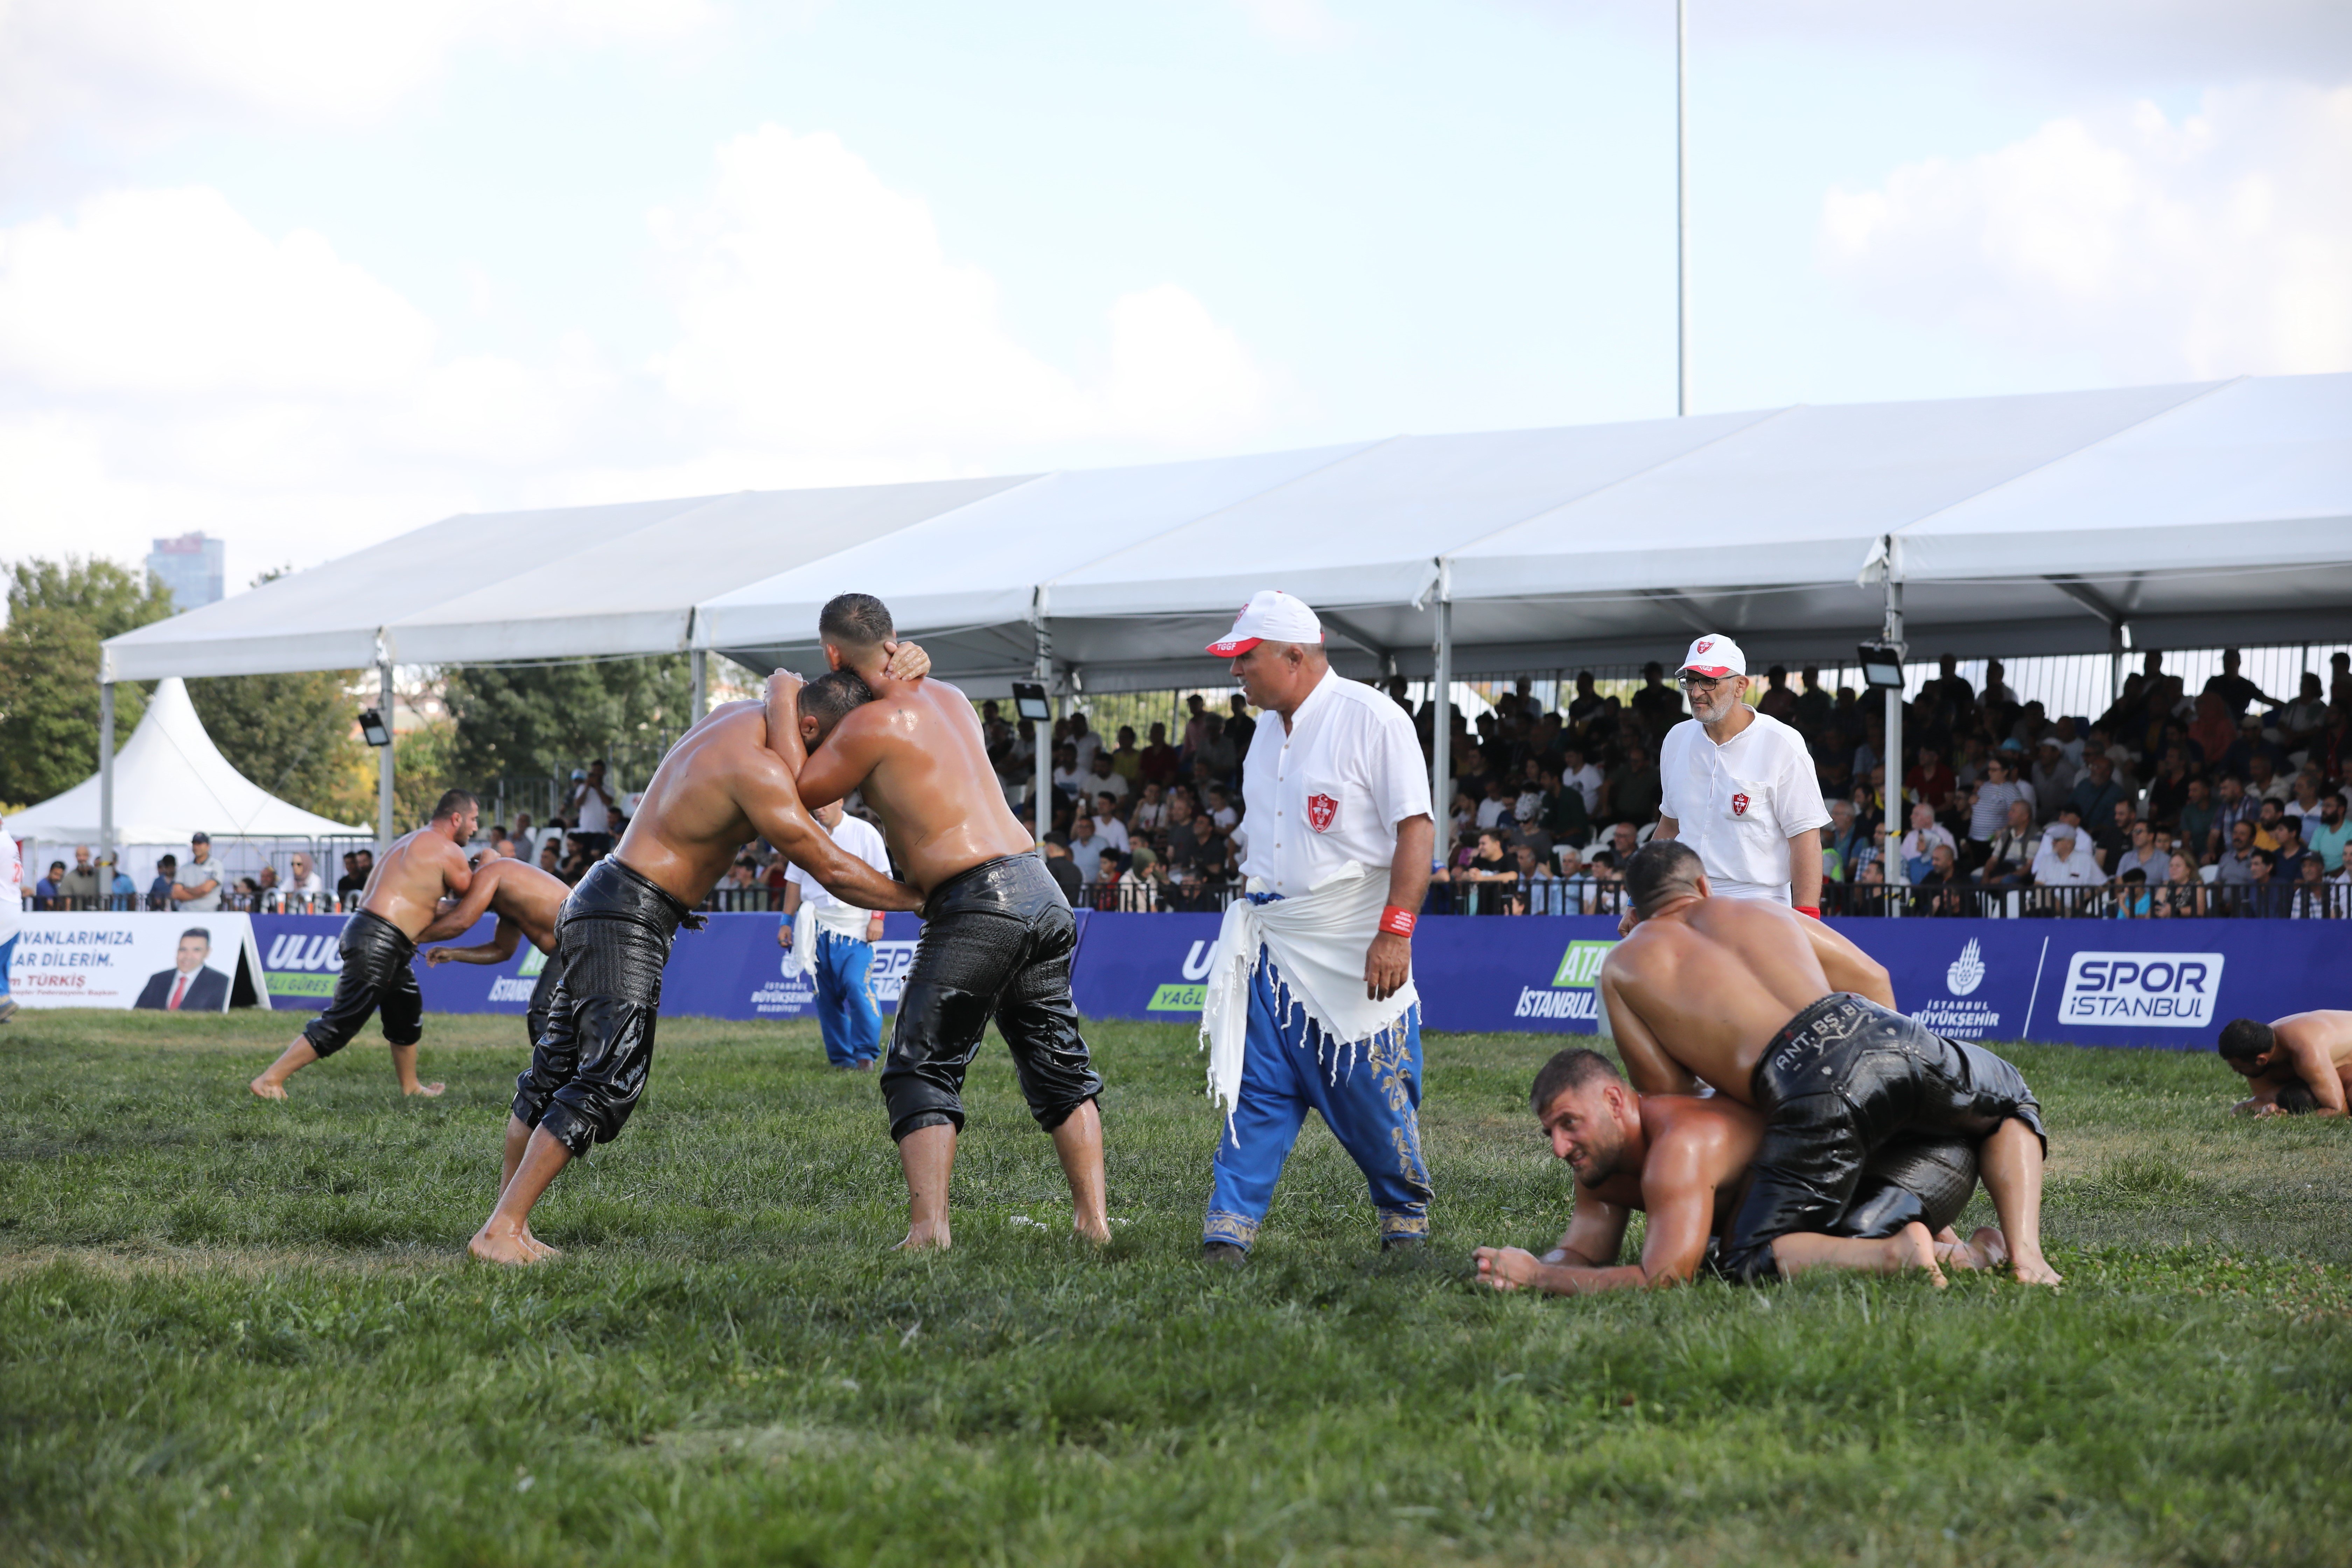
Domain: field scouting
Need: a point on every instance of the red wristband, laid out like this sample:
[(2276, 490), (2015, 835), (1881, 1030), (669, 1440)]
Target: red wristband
[(1809, 910), (1397, 921)]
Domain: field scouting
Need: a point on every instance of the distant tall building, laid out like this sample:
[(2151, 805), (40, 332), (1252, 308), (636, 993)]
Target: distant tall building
[(193, 567)]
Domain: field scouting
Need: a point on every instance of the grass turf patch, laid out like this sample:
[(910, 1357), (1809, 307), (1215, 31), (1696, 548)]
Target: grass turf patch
[(236, 1332)]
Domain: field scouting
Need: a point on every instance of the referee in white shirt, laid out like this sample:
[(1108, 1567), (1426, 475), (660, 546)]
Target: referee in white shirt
[(1310, 1003), (1741, 788)]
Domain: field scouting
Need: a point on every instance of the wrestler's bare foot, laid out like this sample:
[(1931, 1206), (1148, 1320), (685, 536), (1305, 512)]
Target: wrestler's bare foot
[(538, 1249), (267, 1088), (507, 1246), (1914, 1247), (429, 1090), (1986, 1248), (925, 1233), (2036, 1270)]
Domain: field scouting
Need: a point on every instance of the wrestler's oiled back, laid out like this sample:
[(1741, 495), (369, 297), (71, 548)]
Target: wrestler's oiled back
[(528, 896), (941, 805), (1714, 979), (691, 822)]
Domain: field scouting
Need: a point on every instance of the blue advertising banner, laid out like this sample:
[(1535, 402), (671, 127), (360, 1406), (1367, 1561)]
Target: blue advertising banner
[(2167, 984)]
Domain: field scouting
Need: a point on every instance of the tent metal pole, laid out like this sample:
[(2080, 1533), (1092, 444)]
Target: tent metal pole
[(1892, 633), (105, 774), (1041, 731), (1681, 207), (383, 760), (1441, 730), (699, 662)]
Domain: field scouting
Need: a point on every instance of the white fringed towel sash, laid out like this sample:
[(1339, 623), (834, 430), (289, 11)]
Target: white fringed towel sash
[(847, 919), (1317, 942)]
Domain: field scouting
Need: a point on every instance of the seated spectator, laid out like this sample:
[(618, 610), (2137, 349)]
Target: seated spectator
[(1633, 792), (2237, 862), (2053, 776), (351, 881), (1102, 779), (1221, 809), (1777, 700), (1576, 883), (1125, 759), (1463, 819), (122, 892), (2327, 835), (2112, 837), (1067, 778), (2301, 719), (1108, 826), (1157, 764), (2167, 794), (2303, 801), (267, 895), (2009, 858), (2264, 783), (1062, 868), (2310, 898), (1623, 839), (1576, 773), (2290, 852), (158, 891), (2065, 859), (1532, 869), (2141, 853), (49, 892), (2198, 815), (550, 858), (1994, 797), (1490, 872), (1219, 752), (304, 883), (1149, 820), (1930, 781), (1494, 810), (2134, 901), (2265, 894), (1847, 834), (1940, 888), (1087, 850), (2270, 821), (2094, 794), (1111, 872), (1833, 863), (2182, 896), (1917, 847), (81, 886), (1564, 818)]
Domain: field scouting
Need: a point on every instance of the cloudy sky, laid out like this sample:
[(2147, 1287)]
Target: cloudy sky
[(304, 276)]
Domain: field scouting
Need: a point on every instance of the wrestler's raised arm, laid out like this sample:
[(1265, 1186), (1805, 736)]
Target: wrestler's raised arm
[(908, 662), (1848, 968), (848, 754), (498, 949), (457, 917), (1648, 1066), (774, 807)]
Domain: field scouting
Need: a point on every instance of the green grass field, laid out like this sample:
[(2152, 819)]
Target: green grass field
[(239, 1333)]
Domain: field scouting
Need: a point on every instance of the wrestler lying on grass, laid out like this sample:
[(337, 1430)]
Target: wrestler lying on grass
[(1778, 1012), (1683, 1161), (2298, 1064)]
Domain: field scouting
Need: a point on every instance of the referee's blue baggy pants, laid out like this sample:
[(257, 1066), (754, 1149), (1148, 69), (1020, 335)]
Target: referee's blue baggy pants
[(1369, 1095), (846, 1011)]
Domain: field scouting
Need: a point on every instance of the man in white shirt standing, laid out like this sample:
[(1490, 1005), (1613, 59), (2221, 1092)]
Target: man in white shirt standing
[(835, 942), (1310, 1003), (1741, 788)]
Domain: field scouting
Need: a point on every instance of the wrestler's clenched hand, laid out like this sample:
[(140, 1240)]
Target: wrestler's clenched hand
[(1388, 964), (908, 662)]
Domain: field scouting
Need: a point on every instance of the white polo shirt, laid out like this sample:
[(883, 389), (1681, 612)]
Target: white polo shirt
[(855, 837), (1738, 805), (1331, 789)]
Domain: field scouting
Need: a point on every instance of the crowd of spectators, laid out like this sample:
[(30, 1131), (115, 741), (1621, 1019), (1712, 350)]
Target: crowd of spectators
[(2229, 800)]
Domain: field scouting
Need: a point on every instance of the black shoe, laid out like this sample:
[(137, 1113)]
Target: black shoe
[(1224, 1252), (1402, 1243)]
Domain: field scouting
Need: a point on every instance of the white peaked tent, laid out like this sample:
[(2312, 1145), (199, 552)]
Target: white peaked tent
[(169, 781)]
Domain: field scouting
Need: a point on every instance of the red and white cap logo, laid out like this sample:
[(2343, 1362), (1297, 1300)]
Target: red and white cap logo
[(1715, 656), (1271, 615)]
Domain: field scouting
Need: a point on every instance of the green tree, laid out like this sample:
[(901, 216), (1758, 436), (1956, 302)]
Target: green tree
[(58, 613), (294, 735), (537, 720)]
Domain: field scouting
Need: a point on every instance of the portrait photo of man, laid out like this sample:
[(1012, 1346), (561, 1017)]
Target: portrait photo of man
[(187, 986)]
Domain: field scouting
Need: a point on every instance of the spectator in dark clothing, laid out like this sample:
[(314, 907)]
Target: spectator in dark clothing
[(1813, 704), (1157, 764), (2095, 793), (2196, 824), (358, 866), (1658, 705), (1632, 793), (1241, 729), (2169, 793), (1930, 779), (167, 872), (2236, 692), (1587, 701), (2113, 835)]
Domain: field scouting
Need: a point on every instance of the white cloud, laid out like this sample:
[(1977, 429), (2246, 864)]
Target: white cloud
[(820, 313), (2217, 245), (147, 63)]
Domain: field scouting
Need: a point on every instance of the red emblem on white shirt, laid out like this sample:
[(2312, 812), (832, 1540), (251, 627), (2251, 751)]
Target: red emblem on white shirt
[(1320, 810), (1738, 806)]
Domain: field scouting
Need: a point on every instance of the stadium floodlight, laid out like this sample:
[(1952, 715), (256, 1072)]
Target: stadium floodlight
[(1029, 701), (1881, 665), (374, 728)]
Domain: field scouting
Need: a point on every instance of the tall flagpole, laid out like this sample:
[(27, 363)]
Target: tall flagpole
[(1681, 207)]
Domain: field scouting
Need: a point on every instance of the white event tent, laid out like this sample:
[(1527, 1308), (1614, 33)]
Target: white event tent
[(169, 781), (2042, 523)]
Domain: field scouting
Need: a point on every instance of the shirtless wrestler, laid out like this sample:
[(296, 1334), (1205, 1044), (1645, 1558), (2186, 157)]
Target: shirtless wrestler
[(719, 787), (997, 933), (401, 896), (1765, 1005), (1683, 1161), (2301, 1063), (527, 903)]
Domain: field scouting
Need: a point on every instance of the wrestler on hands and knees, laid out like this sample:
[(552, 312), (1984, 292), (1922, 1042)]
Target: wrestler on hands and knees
[(1683, 1161), (1782, 1014), (401, 897), (718, 789), (997, 933), (1740, 787), (527, 903), (1310, 1001), (2296, 1065)]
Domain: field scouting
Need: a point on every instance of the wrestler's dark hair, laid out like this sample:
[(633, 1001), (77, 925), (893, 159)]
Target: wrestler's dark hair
[(830, 697), (858, 618), (2243, 1039), (1660, 870), (452, 802), (197, 931), (1576, 1068), (2296, 1099)]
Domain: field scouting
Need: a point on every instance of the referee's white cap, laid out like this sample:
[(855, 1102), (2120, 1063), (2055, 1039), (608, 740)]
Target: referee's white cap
[(1270, 615), (1715, 656)]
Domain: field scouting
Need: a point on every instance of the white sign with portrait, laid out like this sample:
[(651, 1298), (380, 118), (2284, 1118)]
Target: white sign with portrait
[(157, 962)]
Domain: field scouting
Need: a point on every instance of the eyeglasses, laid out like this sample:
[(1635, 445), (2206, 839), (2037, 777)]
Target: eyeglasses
[(1700, 682)]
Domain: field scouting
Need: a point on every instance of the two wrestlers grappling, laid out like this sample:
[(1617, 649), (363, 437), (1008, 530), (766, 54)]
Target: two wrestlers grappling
[(1840, 1134)]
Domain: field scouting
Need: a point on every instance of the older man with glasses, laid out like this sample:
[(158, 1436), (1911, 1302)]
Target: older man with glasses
[(1740, 788)]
